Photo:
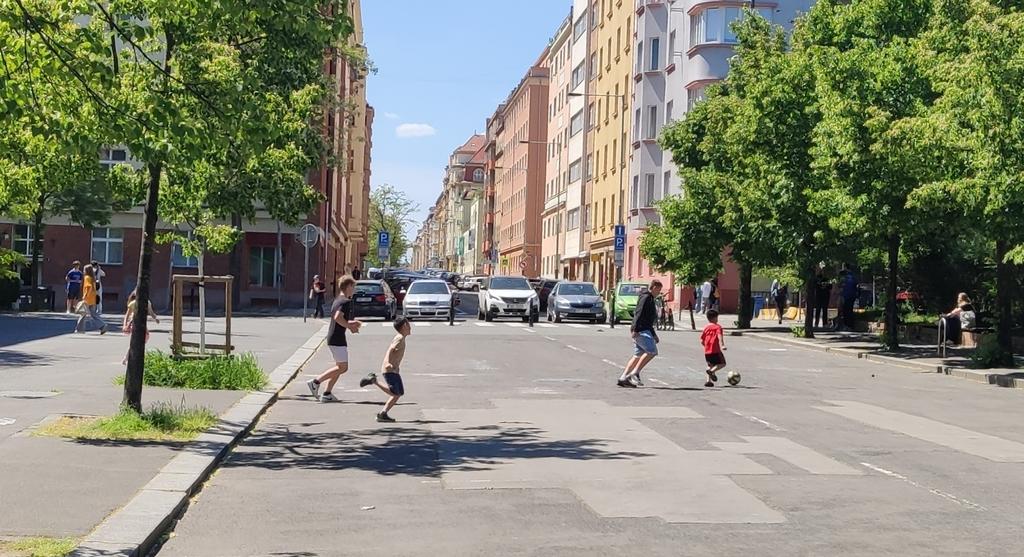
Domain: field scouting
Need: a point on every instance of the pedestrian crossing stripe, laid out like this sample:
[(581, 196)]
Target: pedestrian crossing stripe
[(546, 325), (516, 325), (484, 324), (577, 326)]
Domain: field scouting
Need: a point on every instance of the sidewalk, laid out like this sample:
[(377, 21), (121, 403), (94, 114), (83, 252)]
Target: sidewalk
[(56, 487), (866, 346)]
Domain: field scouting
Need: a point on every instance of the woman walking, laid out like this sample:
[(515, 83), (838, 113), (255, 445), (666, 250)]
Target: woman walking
[(89, 300)]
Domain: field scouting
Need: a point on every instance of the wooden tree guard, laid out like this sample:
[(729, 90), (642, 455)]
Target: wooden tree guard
[(177, 344)]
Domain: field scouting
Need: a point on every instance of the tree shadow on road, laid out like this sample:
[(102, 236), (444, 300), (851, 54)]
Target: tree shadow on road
[(400, 449), (18, 358)]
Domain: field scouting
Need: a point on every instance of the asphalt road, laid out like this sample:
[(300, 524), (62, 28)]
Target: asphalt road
[(516, 441)]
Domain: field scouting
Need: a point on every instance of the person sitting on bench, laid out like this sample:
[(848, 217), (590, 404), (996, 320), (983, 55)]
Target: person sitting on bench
[(959, 318)]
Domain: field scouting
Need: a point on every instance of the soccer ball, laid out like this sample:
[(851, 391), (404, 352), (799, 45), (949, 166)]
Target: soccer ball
[(733, 378)]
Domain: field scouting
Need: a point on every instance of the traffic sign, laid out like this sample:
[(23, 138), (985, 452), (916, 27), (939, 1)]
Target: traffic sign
[(620, 244), (309, 235), (620, 230), (383, 239), (522, 264), (619, 260)]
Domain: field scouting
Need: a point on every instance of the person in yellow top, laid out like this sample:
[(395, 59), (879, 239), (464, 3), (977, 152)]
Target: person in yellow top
[(391, 380), (87, 307)]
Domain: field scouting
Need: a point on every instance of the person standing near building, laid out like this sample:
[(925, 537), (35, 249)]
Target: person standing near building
[(780, 295), (645, 338), (100, 273), (89, 296), (73, 285), (342, 319), (316, 293), (850, 292), (705, 297), (357, 273), (822, 295)]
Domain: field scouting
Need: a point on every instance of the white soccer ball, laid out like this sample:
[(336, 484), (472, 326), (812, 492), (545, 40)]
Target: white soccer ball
[(733, 378)]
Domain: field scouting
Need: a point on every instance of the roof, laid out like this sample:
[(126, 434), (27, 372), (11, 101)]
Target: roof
[(474, 144)]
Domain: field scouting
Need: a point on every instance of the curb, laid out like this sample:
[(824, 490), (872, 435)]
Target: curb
[(133, 530), (1008, 380)]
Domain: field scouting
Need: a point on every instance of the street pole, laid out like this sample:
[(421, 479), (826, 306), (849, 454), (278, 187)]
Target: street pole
[(305, 280), (621, 99)]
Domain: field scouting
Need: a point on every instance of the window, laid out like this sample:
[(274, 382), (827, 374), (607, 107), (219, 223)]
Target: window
[(580, 27), (574, 219), (636, 192), (575, 171), (714, 25), (577, 75), (586, 217), (590, 166), (591, 115), (112, 157), (576, 123), (23, 237), (595, 15), (649, 193), (639, 57), (179, 259), (595, 67), (668, 112), (478, 175), (262, 266), (668, 184), (652, 122), (636, 126), (604, 212), (694, 96), (655, 54), (108, 245), (671, 47)]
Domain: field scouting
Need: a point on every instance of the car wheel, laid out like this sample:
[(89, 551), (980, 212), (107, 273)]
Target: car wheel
[(488, 316), (558, 318)]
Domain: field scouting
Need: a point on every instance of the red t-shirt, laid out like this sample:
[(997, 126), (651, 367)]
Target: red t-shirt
[(709, 337)]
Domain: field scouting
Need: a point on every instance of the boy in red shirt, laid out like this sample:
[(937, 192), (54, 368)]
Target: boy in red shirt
[(713, 340)]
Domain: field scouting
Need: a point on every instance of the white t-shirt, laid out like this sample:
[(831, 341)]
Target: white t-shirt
[(705, 289), (100, 273)]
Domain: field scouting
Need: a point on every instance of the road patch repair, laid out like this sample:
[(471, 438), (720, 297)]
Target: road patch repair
[(606, 456), (135, 528)]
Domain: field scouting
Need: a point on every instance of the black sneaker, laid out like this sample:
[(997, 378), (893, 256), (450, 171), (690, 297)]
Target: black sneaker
[(637, 381), (368, 380), (712, 375), (384, 418), (709, 384), (625, 383)]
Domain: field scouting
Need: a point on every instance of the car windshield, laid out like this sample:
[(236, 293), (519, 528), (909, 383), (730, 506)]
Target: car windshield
[(509, 283), (369, 288), (577, 290), (632, 289), (428, 287)]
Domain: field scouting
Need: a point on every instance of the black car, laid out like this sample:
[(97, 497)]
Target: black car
[(543, 288), (374, 298)]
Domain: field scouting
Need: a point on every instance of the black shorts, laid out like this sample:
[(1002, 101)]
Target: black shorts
[(394, 382), (716, 359)]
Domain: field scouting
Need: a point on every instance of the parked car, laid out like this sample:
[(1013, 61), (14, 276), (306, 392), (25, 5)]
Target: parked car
[(400, 281), (374, 298), (543, 287), (427, 298), (503, 296), (472, 283), (626, 296), (575, 300)]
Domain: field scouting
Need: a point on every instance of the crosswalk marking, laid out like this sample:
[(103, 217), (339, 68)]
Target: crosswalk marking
[(517, 325), (577, 326), (546, 325), (481, 324)]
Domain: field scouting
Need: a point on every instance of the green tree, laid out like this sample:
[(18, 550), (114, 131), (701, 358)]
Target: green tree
[(392, 211), (175, 81)]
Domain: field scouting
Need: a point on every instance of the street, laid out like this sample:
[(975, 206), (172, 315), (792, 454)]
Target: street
[(516, 441)]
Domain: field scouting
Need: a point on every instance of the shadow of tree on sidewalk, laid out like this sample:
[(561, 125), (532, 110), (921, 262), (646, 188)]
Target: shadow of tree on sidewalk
[(415, 451)]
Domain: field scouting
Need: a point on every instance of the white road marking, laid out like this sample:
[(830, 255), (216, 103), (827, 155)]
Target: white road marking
[(481, 324), (577, 326), (530, 330), (439, 374), (571, 347), (777, 350), (560, 380), (7, 421), (516, 325), (957, 438), (430, 481), (948, 496), (547, 325), (755, 419), (550, 338), (611, 363), (658, 381)]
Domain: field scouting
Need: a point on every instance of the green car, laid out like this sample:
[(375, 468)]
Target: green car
[(626, 296)]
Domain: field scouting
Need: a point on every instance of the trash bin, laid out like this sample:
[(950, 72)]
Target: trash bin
[(42, 298), (758, 306)]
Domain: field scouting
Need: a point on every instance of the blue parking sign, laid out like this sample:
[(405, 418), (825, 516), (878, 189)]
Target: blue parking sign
[(383, 239)]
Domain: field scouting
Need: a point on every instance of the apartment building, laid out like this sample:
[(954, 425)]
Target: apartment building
[(520, 161), (464, 187), (268, 261), (575, 230), (612, 73), (559, 64), (682, 47)]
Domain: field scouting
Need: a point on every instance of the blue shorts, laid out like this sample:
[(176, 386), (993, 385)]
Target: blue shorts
[(394, 382), (644, 344)]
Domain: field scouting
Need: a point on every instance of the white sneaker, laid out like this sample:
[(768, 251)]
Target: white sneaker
[(328, 397), (637, 381), (314, 388)]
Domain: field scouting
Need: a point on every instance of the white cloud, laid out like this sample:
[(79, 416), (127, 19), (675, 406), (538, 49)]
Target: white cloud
[(391, 116), (415, 130)]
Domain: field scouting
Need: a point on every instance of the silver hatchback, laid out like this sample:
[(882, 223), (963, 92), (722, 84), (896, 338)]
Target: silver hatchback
[(576, 300)]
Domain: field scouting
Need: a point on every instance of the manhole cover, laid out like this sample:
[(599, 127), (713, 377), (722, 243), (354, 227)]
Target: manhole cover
[(7, 421), (28, 394)]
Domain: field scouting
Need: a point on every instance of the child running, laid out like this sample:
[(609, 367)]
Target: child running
[(391, 382), (713, 339), (129, 319), (342, 319)]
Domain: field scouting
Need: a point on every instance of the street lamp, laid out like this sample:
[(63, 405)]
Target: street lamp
[(622, 199), (558, 201)]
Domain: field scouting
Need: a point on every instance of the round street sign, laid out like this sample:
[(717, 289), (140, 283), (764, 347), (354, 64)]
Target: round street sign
[(309, 235), (522, 265)]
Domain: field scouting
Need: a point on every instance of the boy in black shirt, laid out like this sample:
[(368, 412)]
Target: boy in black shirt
[(341, 320), (645, 339)]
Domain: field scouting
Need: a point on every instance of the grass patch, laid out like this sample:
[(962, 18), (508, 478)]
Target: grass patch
[(229, 373), (162, 422), (38, 547)]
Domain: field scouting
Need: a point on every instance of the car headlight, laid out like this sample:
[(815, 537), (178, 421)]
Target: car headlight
[(563, 304), (494, 298), (599, 305)]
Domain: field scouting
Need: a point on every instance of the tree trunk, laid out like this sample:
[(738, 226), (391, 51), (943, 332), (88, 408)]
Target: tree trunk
[(235, 264), (1004, 301), (810, 284), (37, 246), (746, 302), (137, 345), (891, 337)]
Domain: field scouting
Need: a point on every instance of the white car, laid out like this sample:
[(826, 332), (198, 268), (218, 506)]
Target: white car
[(427, 298), (472, 283), (506, 296)]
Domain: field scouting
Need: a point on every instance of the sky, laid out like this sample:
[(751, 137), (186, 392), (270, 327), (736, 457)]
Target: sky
[(442, 68)]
